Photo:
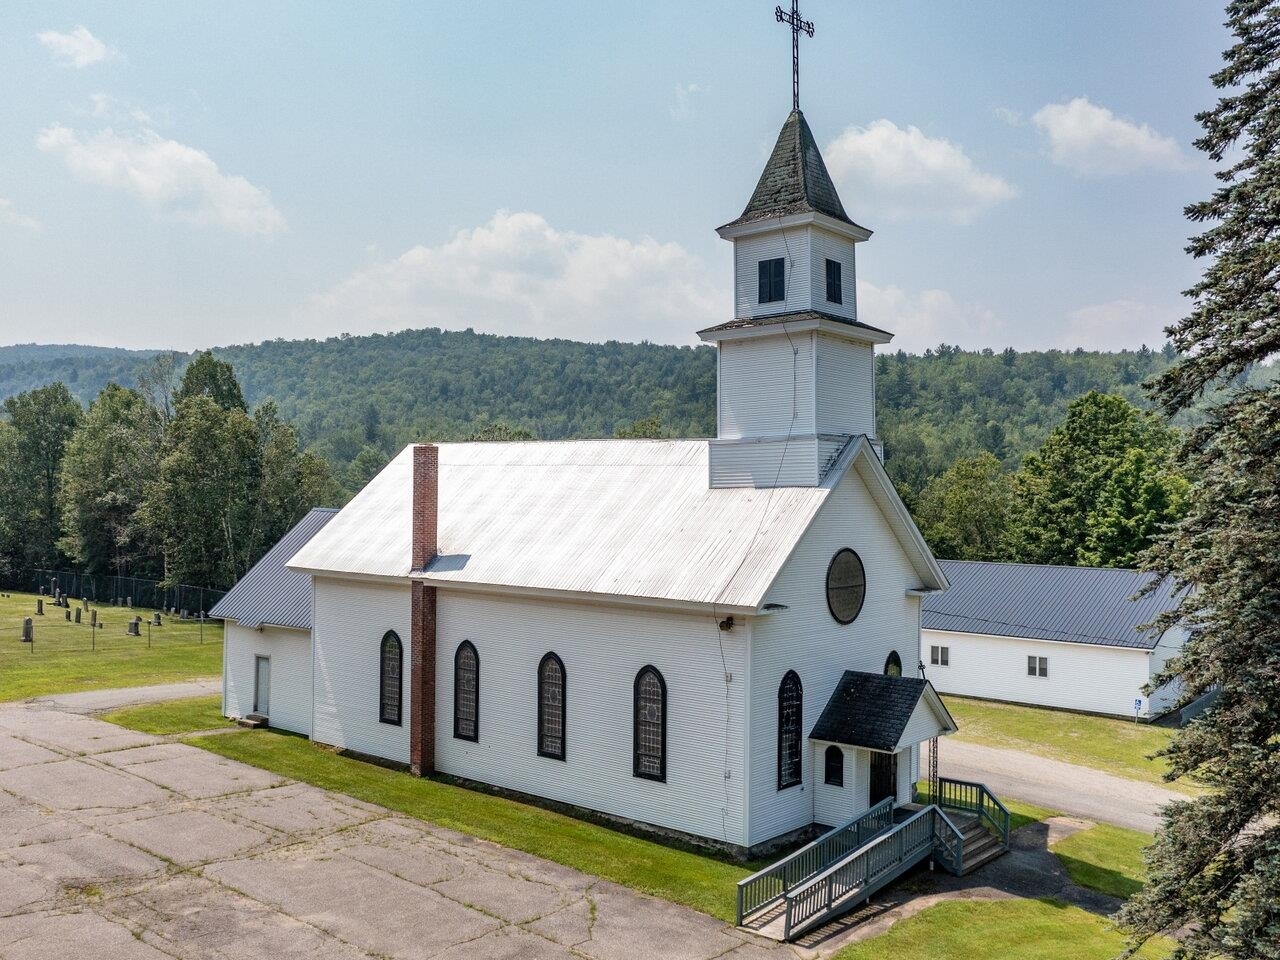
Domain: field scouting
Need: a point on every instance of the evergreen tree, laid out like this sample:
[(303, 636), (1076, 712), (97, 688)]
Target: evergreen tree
[(1215, 865), (44, 420), (108, 462), (964, 514)]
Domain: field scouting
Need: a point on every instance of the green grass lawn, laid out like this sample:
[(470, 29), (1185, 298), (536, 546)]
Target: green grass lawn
[(1104, 743), (1000, 930), (1105, 858), (68, 656), (694, 879), (172, 716)]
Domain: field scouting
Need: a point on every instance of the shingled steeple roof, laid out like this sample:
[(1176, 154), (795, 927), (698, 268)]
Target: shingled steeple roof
[(795, 180)]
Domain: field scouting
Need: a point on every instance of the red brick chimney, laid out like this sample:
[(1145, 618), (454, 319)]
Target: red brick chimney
[(422, 638)]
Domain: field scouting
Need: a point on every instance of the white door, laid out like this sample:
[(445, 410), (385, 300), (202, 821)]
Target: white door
[(262, 685)]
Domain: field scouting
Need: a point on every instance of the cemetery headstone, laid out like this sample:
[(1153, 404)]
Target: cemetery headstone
[(184, 615), (93, 618), (39, 606), (28, 630), (77, 614), (68, 613), (133, 628), (128, 601), (155, 618), (84, 602)]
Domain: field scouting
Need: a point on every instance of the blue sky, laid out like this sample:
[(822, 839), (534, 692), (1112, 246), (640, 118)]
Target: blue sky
[(209, 173)]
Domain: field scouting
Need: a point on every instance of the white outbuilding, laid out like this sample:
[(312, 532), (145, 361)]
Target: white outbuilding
[(1070, 638)]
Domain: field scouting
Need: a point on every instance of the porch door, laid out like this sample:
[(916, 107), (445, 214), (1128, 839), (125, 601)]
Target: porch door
[(884, 776), (262, 685)]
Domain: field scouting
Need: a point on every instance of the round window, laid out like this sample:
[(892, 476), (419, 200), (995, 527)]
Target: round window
[(846, 586)]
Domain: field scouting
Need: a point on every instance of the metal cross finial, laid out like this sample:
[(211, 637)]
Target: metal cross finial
[(798, 27)]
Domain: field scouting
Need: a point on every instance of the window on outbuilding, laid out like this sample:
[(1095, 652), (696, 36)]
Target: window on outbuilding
[(1037, 666), (551, 707), (390, 669), (940, 656), (790, 720), (833, 766), (846, 586), (835, 290), (466, 692), (893, 664), (773, 280), (649, 740)]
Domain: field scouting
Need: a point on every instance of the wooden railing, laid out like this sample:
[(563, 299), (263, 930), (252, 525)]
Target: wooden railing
[(972, 798), (776, 881), (867, 870)]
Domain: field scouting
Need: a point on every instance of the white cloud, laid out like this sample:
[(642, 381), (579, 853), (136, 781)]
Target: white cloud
[(902, 173), (683, 107), (517, 274), (1092, 141), (925, 319), (1115, 325), (167, 176), (12, 218), (78, 49)]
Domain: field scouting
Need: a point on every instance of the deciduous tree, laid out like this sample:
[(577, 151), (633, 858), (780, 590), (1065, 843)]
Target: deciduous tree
[(965, 513), (43, 420)]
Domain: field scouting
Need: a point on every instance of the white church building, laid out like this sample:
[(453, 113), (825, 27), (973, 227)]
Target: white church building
[(716, 637)]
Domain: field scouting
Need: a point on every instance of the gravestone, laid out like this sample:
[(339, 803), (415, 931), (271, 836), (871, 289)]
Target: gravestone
[(155, 619), (77, 614), (93, 618), (28, 630), (134, 627), (84, 602), (68, 613), (184, 615), (39, 606), (128, 602)]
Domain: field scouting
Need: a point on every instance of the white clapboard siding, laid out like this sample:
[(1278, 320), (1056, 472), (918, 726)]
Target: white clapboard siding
[(923, 724), (793, 246), (826, 246), (1082, 676), (351, 618), (290, 693), (846, 387), (806, 638), (602, 648), (835, 805), (767, 386)]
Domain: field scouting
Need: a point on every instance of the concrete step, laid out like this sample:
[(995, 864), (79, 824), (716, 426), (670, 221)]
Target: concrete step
[(253, 721)]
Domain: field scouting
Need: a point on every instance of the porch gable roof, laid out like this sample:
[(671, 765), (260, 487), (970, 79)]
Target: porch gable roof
[(879, 712)]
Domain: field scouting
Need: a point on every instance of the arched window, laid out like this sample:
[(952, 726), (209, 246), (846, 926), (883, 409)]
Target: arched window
[(466, 692), (833, 766), (790, 718), (551, 707), (389, 674), (846, 586), (650, 734), (893, 664)]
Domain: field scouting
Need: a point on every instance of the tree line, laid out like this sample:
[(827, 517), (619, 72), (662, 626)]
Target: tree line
[(174, 480)]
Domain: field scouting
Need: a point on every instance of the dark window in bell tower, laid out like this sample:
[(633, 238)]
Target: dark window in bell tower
[(835, 292), (773, 283)]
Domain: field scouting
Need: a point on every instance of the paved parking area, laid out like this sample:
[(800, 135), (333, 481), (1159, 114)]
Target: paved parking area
[(120, 846)]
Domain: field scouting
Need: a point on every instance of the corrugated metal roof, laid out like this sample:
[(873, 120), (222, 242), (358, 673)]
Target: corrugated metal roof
[(1073, 604), (626, 518), (270, 592)]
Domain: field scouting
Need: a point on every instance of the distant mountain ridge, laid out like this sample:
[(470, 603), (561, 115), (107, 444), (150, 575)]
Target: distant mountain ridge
[(371, 394)]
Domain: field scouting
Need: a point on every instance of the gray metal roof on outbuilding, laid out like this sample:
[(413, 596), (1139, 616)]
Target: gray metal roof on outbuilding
[(1090, 605), (270, 592)]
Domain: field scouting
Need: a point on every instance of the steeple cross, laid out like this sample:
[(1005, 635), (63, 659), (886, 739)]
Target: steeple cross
[(798, 27)]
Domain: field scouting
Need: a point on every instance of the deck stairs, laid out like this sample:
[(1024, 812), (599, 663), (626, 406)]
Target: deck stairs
[(961, 828)]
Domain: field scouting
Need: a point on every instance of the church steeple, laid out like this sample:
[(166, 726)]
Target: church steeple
[(795, 180), (796, 376)]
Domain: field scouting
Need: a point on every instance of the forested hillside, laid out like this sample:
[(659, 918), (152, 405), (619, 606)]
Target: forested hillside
[(372, 394)]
